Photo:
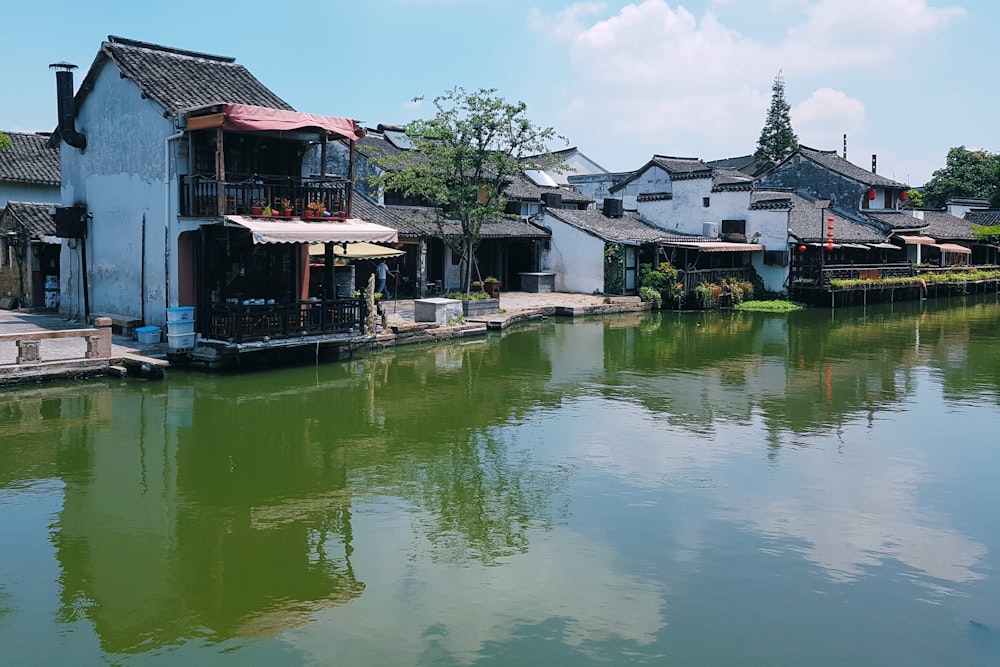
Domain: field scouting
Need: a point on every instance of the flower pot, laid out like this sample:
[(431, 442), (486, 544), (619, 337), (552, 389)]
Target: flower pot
[(287, 212), (255, 210), (309, 213)]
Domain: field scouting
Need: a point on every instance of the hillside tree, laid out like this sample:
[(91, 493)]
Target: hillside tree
[(4, 142), (967, 173), (463, 159), (777, 139)]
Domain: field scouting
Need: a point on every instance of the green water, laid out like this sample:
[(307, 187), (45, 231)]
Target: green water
[(821, 488)]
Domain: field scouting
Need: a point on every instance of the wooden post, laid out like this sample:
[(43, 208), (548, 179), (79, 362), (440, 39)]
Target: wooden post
[(220, 171)]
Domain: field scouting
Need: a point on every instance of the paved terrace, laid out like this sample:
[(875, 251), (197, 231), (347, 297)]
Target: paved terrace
[(516, 306)]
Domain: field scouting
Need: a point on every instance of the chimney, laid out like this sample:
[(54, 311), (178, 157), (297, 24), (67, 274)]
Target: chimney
[(845, 145), (67, 108), (874, 161)]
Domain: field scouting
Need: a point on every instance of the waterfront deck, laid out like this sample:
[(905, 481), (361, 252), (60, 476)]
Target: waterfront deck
[(397, 328)]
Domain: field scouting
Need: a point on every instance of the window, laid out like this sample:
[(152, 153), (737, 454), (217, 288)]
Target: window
[(776, 258), (734, 227), (705, 201)]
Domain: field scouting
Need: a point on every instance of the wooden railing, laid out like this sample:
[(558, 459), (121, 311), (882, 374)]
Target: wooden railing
[(239, 323), (694, 277), (207, 197)]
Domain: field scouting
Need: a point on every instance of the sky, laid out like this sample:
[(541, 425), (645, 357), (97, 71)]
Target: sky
[(622, 81)]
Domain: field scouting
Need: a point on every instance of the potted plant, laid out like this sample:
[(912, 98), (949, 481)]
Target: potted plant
[(316, 209), (257, 208), (492, 287), (267, 212), (286, 208)]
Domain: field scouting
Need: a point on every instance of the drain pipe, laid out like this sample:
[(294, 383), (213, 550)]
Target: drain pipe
[(166, 216), (67, 106)]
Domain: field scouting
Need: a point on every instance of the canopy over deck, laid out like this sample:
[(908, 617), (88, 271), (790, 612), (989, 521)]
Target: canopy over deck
[(352, 230)]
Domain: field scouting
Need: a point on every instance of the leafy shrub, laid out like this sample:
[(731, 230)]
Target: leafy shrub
[(652, 296)]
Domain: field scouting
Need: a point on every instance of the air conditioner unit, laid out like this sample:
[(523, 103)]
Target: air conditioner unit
[(710, 229)]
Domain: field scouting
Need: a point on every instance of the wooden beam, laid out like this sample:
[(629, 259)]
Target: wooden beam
[(203, 122)]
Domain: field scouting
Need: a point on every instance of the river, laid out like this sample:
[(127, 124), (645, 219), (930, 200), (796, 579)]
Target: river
[(817, 488)]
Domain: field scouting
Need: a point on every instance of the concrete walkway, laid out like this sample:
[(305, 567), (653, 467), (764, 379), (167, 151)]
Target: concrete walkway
[(514, 306), (26, 321)]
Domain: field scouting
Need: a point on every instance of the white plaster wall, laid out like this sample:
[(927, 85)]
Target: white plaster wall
[(658, 213), (577, 258), (773, 229), (654, 179), (28, 192), (119, 178)]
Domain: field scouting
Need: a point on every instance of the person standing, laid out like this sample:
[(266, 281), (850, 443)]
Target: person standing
[(382, 272)]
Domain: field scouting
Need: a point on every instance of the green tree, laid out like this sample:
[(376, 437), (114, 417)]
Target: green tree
[(914, 200), (4, 142), (967, 173), (464, 158), (777, 139)]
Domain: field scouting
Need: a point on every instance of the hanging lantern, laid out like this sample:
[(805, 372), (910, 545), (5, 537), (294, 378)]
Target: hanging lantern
[(871, 194), (904, 195), (829, 235), (830, 219), (830, 227), (802, 248), (829, 246)]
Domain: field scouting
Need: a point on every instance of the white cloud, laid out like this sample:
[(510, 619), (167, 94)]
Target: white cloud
[(666, 80), (823, 118)]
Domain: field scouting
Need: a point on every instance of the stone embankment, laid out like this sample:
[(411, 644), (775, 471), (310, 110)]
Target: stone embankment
[(38, 346)]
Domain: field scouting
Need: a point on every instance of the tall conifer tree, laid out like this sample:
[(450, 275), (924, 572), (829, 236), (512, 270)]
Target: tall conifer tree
[(777, 139)]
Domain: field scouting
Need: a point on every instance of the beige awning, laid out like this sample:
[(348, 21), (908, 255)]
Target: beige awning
[(715, 246), (917, 240), (352, 230), (954, 247), (356, 250)]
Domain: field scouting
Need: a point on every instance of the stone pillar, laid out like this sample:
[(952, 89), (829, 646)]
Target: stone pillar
[(370, 303), (99, 346), (27, 351)]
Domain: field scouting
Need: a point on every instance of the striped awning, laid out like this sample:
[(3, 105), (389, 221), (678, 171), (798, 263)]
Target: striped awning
[(351, 230), (955, 248), (714, 246), (917, 240)]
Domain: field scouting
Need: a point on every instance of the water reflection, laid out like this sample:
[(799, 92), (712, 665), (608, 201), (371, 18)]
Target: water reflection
[(560, 482)]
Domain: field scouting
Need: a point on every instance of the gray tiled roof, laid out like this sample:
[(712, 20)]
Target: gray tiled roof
[(522, 189), (627, 229), (896, 220), (391, 217), (180, 80), (942, 226), (809, 224), (730, 179), (34, 216), (424, 222), (29, 160), (984, 218), (679, 168), (837, 164), (746, 164)]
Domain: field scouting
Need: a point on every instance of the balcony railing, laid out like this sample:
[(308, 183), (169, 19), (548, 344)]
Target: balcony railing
[(694, 277), (239, 323), (207, 197)]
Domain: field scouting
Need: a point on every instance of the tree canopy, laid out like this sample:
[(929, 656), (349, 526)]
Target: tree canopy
[(777, 139), (4, 142), (967, 173), (464, 158)]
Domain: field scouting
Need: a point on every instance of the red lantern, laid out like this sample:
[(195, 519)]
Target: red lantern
[(871, 194), (830, 219), (829, 246), (904, 195), (802, 248)]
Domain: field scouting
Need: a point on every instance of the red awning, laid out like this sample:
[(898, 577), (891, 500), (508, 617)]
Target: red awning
[(244, 117)]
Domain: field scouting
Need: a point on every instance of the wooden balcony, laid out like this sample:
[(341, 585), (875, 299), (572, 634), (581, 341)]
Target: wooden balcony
[(239, 323), (207, 197)]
